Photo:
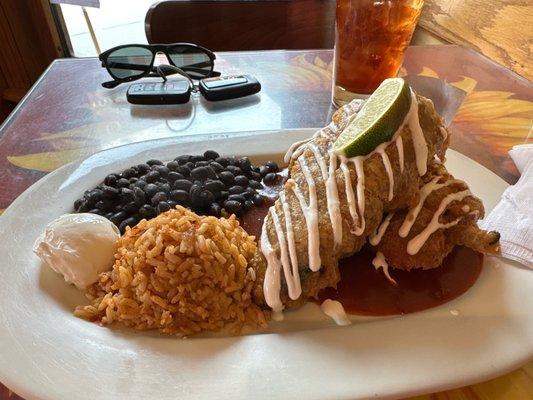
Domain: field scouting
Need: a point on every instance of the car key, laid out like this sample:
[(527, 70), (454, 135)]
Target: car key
[(168, 92), (229, 87)]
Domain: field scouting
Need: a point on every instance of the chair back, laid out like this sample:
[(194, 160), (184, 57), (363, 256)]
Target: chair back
[(243, 25)]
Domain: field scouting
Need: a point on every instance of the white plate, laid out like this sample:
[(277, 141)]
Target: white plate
[(47, 353)]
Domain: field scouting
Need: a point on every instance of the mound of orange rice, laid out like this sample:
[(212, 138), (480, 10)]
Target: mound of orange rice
[(180, 273)]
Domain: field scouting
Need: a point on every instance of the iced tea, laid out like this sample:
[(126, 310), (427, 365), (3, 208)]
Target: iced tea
[(371, 38)]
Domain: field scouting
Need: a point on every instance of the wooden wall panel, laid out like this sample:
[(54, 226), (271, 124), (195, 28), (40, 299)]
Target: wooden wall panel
[(29, 41), (500, 29)]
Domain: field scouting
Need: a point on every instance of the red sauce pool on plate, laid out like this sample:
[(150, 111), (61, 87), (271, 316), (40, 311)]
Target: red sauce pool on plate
[(364, 290)]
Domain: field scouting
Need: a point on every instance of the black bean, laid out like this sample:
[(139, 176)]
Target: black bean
[(123, 183), (94, 195), (172, 203), (241, 180), (199, 173), (159, 197), (211, 173), (223, 195), (154, 162), (248, 205), (205, 198), (117, 218), (162, 169), (183, 170), (127, 195), (215, 209), (194, 192), (84, 207), (151, 189), (216, 166), (258, 200), (190, 165), (104, 205), (109, 215), (140, 184), (226, 177), (152, 176), (256, 176), (237, 197), (248, 195), (197, 158), (133, 180), (232, 206), (201, 163), (234, 170), (109, 192), (77, 204), (96, 211), (232, 161), (173, 165), (138, 196), (182, 184), (147, 211), (236, 189), (143, 168), (211, 154), (174, 176), (222, 161), (255, 184), (129, 173), (270, 178), (214, 187), (130, 208), (111, 179), (162, 207), (272, 166), (263, 170), (131, 222), (180, 196), (183, 159), (244, 164), (164, 187), (117, 208)]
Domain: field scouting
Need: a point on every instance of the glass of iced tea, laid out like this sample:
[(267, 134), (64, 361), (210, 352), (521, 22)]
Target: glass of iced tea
[(370, 41)]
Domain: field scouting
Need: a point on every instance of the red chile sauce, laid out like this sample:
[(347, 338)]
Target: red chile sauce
[(363, 290)]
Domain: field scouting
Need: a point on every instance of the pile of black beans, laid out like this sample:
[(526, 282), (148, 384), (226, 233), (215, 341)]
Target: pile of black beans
[(208, 184)]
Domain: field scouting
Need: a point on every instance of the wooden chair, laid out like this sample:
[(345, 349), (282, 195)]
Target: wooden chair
[(243, 25)]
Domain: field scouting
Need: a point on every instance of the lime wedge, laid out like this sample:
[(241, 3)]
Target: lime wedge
[(377, 121)]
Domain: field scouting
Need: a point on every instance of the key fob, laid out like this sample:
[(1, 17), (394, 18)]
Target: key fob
[(169, 92), (229, 87)]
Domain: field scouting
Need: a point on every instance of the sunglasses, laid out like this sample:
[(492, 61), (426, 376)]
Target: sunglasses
[(130, 62)]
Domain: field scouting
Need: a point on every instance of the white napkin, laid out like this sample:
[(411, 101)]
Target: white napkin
[(513, 215)]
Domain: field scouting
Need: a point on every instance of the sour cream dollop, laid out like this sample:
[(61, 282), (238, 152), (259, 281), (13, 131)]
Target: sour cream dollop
[(79, 247)]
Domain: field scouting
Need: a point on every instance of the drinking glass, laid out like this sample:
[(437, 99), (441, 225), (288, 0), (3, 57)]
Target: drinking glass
[(370, 41)]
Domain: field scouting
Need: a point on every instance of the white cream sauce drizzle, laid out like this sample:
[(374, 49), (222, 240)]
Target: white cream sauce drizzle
[(376, 237), (419, 141), (388, 168), (425, 191), (416, 243), (335, 310), (380, 262), (291, 277), (399, 147), (311, 215), (332, 193), (272, 283)]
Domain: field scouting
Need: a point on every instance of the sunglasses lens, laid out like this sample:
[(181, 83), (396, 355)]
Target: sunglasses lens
[(129, 61), (193, 61)]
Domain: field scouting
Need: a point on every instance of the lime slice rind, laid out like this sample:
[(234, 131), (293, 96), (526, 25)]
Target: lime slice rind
[(377, 121)]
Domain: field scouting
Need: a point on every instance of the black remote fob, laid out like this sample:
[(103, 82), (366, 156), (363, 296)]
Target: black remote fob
[(229, 87), (169, 92)]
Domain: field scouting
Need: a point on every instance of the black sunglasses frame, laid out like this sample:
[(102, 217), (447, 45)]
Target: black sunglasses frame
[(149, 69)]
